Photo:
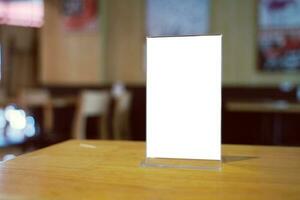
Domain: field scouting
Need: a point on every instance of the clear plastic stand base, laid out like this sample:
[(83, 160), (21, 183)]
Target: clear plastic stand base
[(213, 165)]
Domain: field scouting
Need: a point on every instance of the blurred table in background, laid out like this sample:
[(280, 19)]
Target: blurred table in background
[(83, 169), (264, 106), (264, 122), (20, 126), (59, 102)]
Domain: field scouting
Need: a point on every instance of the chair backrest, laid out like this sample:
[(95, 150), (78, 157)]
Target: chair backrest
[(91, 103), (94, 102)]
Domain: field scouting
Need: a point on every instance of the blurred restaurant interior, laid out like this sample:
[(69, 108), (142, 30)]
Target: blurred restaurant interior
[(75, 69)]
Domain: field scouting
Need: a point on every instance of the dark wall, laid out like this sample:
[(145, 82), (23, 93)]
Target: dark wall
[(264, 128)]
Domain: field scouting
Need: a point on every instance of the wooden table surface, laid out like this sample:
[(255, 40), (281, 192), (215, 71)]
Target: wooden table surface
[(111, 170), (264, 106)]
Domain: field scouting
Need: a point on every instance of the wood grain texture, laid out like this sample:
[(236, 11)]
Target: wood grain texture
[(110, 170)]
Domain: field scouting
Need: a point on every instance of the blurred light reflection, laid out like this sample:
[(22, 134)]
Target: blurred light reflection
[(15, 126), (8, 157)]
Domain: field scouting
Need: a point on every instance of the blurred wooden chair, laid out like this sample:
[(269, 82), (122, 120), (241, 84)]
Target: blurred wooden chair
[(33, 98), (29, 99), (90, 104), (121, 111), (121, 116)]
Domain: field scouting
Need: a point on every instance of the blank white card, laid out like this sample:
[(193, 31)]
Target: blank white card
[(184, 97)]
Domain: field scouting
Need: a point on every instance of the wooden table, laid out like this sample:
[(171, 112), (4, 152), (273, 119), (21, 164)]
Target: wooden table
[(276, 108), (267, 106), (111, 170)]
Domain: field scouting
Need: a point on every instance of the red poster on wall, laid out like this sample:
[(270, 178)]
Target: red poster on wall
[(279, 35), (80, 15)]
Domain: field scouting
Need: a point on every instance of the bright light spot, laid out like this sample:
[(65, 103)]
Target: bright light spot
[(15, 135), (22, 13), (30, 127), (2, 139), (7, 111), (118, 89), (30, 120), (16, 118), (8, 157), (2, 119), (15, 126)]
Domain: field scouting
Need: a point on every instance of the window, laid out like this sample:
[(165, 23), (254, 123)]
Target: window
[(177, 17), (22, 12)]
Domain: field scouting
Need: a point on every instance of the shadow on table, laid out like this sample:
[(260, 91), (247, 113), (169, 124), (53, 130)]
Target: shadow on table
[(228, 159)]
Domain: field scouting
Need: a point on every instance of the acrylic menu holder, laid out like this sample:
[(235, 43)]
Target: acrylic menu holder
[(184, 102), (213, 165)]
